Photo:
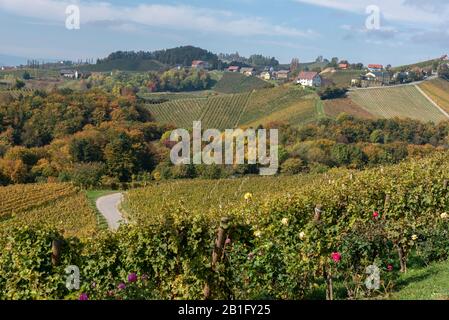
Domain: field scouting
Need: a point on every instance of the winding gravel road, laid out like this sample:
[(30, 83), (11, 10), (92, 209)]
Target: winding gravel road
[(108, 207)]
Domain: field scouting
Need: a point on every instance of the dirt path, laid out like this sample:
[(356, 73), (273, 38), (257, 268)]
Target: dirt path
[(109, 208)]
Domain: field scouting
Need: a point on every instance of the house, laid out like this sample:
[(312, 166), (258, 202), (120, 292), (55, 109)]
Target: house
[(199, 64), (266, 75), (309, 79), (71, 74), (379, 77), (282, 75), (248, 71), (343, 66), (234, 69), (375, 67), (444, 58)]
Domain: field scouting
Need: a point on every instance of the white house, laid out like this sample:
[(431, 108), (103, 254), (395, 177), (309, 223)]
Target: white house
[(309, 79), (248, 71)]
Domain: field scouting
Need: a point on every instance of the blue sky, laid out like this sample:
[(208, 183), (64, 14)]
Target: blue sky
[(410, 30)]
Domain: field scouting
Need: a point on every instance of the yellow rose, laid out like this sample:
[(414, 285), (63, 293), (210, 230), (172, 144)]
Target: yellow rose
[(248, 196)]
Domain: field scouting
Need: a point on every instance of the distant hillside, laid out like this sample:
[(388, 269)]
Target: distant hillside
[(423, 64), (126, 65), (154, 61), (238, 83)]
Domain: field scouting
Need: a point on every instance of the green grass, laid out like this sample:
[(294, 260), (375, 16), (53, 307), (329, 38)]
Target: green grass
[(342, 78), (92, 196), (401, 102), (430, 283), (237, 83)]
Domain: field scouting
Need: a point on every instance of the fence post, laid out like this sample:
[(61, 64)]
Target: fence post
[(218, 252), (56, 248), (318, 211)]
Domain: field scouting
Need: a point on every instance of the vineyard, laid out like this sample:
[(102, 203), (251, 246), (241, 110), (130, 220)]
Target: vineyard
[(268, 101), (211, 198), (220, 112), (402, 102), (51, 205), (438, 91), (282, 239), (16, 93)]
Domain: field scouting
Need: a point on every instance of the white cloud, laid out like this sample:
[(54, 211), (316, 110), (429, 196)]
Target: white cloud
[(179, 17), (412, 11)]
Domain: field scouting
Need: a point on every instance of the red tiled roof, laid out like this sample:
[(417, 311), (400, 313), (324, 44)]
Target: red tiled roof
[(375, 66), (307, 75), (197, 62), (233, 68)]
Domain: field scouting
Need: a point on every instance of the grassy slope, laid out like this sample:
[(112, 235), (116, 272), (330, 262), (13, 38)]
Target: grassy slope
[(438, 91), (342, 78), (92, 196), (402, 102), (238, 83), (429, 283)]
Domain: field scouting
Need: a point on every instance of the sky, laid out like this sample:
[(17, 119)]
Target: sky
[(406, 31)]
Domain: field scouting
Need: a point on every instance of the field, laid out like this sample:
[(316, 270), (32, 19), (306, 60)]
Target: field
[(237, 83), (438, 91), (226, 111), (402, 102), (50, 205), (334, 107)]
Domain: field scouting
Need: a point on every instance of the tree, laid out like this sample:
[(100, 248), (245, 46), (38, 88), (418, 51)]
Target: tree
[(19, 84), (443, 71), (294, 65), (26, 75)]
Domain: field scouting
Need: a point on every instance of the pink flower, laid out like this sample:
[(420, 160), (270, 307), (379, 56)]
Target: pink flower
[(375, 215), (228, 241), (132, 277), (83, 297), (336, 256), (390, 267), (121, 286)]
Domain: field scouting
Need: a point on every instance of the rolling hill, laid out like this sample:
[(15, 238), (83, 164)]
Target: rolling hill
[(284, 103)]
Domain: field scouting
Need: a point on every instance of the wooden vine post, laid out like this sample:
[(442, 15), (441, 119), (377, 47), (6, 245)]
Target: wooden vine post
[(56, 248), (218, 252)]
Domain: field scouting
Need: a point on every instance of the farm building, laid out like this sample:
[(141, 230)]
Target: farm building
[(375, 67), (343, 66), (248, 71), (199, 64), (71, 74), (282, 74), (266, 75), (234, 69), (309, 79)]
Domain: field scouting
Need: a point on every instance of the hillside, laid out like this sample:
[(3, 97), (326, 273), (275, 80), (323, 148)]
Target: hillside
[(438, 91), (284, 103), (238, 83), (402, 102), (341, 78), (125, 65), (335, 107)]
